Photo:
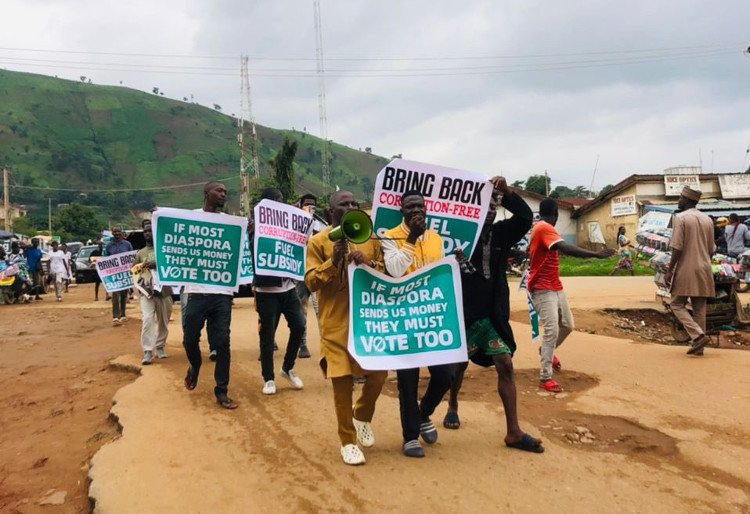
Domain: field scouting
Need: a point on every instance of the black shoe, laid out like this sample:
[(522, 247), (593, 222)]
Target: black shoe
[(191, 379), (304, 352), (226, 402), (212, 355)]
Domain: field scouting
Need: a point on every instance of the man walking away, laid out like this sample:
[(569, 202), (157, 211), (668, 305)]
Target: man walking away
[(95, 254), (119, 298), (547, 290), (34, 259), (156, 306), (214, 309), (689, 272)]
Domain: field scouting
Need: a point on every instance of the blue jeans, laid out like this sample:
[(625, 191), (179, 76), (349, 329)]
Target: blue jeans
[(215, 311), (270, 307)]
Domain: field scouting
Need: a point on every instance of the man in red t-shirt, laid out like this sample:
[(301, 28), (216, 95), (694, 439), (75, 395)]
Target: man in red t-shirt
[(546, 289)]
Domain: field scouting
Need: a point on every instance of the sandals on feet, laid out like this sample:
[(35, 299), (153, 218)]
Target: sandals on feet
[(226, 402), (698, 345), (528, 444), (556, 364), (191, 380), (452, 421), (551, 386)]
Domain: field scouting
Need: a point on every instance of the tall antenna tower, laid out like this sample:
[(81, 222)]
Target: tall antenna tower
[(246, 114), (325, 153)]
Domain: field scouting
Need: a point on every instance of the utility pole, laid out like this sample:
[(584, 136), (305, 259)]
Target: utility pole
[(6, 200), (246, 113), (325, 151), (49, 217), (546, 183)]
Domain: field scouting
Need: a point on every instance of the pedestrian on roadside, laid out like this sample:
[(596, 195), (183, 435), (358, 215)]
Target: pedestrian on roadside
[(93, 256), (119, 298), (274, 297), (68, 265), (34, 258), (58, 268), (407, 248), (546, 288), (626, 256), (689, 273), (156, 302), (326, 275), (210, 306), (737, 236)]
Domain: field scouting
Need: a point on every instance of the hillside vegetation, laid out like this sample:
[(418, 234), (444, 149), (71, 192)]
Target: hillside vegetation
[(58, 133)]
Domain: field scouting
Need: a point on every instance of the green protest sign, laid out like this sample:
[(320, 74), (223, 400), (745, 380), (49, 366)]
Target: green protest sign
[(246, 266), (197, 247), (114, 271), (281, 233), (406, 322), (456, 201)]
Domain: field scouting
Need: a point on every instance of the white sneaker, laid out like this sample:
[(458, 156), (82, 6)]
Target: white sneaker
[(365, 436), (293, 379), (269, 387), (352, 455)]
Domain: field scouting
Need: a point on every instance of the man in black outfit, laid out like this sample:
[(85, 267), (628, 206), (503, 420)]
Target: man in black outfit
[(486, 301)]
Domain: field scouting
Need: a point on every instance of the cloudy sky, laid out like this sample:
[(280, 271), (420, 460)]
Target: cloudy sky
[(512, 87)]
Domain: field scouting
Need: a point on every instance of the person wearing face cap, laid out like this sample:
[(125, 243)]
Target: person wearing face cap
[(689, 273)]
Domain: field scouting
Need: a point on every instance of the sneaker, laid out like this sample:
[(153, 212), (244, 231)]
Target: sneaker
[(365, 436), (269, 387), (123, 319), (212, 355), (59, 299), (352, 455), (161, 353), (148, 356), (293, 379), (428, 432), (115, 321), (413, 448), (304, 352)]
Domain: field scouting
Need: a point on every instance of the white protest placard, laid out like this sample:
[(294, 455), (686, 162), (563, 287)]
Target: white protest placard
[(198, 247), (735, 186), (673, 184), (281, 233), (406, 322), (246, 272), (114, 270), (623, 205), (456, 201)]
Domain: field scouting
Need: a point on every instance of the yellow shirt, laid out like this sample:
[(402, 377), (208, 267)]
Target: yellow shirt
[(331, 283), (402, 258)]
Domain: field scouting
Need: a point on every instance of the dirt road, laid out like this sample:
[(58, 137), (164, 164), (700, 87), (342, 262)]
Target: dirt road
[(669, 432)]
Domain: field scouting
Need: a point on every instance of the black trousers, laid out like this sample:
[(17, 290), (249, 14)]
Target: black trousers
[(119, 301), (413, 413), (270, 307), (215, 311)]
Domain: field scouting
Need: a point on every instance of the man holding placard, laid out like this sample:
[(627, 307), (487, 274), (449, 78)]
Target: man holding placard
[(201, 251), (119, 298), (407, 248), (281, 233), (326, 276)]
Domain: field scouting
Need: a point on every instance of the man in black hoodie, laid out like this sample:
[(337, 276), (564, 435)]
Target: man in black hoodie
[(486, 301)]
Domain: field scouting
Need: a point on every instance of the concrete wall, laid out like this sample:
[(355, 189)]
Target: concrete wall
[(608, 223)]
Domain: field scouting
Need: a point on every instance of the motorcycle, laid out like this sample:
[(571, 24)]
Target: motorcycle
[(15, 284)]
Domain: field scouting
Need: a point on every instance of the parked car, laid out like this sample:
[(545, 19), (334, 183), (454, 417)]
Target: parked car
[(85, 270)]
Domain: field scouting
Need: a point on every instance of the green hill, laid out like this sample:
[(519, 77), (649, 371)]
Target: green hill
[(81, 137)]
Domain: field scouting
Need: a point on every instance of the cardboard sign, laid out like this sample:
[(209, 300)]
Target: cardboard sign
[(281, 233), (114, 270)]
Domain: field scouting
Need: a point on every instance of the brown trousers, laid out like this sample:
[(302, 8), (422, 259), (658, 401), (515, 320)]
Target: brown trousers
[(364, 408), (695, 325)]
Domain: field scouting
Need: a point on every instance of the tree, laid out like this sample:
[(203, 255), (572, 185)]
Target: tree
[(77, 222), (537, 184), (283, 165), (83, 78), (518, 184), (606, 188)]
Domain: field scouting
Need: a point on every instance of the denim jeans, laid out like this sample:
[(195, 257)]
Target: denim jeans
[(215, 311), (270, 307), (412, 414)]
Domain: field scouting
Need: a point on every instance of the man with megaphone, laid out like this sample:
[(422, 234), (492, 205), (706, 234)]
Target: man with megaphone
[(328, 254)]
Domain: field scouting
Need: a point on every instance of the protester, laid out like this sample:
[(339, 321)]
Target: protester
[(274, 297), (326, 275), (547, 290), (68, 265), (407, 248), (58, 268), (308, 203), (156, 302), (98, 252), (34, 258), (119, 298), (487, 300), (626, 257), (719, 226), (689, 273), (737, 236), (211, 306)]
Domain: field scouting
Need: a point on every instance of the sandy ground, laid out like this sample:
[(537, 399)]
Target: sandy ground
[(669, 432)]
